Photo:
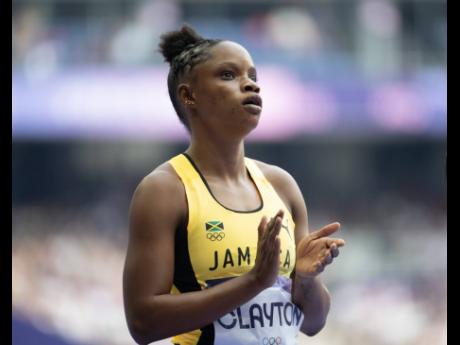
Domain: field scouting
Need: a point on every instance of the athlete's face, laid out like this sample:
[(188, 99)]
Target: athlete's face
[(225, 90)]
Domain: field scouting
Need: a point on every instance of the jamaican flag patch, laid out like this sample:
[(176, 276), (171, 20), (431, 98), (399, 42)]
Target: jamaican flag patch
[(215, 230)]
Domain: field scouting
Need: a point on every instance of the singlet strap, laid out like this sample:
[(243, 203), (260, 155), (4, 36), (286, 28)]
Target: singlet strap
[(265, 185), (255, 171), (184, 168), (189, 177)]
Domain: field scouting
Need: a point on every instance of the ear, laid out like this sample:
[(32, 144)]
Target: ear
[(185, 94)]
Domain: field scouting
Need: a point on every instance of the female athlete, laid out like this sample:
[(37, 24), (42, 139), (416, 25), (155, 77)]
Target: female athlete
[(219, 248)]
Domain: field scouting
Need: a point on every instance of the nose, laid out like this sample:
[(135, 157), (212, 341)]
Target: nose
[(251, 85)]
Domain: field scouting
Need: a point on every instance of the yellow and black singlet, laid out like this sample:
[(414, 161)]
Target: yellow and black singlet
[(219, 244)]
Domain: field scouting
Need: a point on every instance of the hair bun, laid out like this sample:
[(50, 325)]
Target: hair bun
[(174, 42)]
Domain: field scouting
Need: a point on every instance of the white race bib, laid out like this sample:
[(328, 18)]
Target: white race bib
[(270, 318)]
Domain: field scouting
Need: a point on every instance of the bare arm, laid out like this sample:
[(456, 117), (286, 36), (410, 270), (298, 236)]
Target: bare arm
[(314, 252), (158, 208)]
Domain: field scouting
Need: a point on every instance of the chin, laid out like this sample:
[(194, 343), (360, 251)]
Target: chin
[(251, 125)]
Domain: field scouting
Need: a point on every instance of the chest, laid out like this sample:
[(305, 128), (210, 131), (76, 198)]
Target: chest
[(223, 244), (242, 197)]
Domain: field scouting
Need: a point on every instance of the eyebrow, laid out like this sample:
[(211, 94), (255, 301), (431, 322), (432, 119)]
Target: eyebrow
[(251, 69)]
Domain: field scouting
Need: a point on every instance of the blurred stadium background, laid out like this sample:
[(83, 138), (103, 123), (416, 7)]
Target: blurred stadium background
[(354, 107)]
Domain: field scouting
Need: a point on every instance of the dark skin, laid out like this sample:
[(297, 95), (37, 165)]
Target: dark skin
[(212, 95)]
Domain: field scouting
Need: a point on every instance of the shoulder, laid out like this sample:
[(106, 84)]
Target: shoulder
[(162, 179), (283, 182), (274, 173), (159, 196)]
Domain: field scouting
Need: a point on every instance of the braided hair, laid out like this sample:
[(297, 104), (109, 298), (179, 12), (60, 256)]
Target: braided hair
[(183, 50)]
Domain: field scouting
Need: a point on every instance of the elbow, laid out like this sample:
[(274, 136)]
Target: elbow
[(141, 333), (144, 322), (312, 330), (138, 333)]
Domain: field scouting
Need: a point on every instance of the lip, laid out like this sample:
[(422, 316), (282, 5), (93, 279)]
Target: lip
[(253, 109), (253, 104), (255, 100)]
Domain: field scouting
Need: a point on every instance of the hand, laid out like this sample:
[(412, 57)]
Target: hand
[(266, 267), (316, 250)]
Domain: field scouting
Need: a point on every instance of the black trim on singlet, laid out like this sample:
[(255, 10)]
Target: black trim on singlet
[(207, 335), (184, 276), (214, 282), (210, 192)]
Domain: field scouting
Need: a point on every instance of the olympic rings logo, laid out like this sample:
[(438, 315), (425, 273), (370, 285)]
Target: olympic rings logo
[(271, 341), (215, 236)]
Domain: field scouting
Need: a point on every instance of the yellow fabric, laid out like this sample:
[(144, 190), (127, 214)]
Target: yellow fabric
[(223, 243)]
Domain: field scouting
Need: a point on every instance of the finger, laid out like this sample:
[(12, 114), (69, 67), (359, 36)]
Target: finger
[(325, 231), (338, 242), (277, 247), (274, 232), (262, 226), (319, 267), (327, 259), (268, 226), (280, 213), (271, 223), (334, 250)]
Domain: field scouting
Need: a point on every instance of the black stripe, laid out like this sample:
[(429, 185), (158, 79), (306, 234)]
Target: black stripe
[(185, 279), (207, 335), (214, 282), (184, 276), (210, 192)]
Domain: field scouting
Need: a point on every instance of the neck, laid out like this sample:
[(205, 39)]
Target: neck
[(218, 158)]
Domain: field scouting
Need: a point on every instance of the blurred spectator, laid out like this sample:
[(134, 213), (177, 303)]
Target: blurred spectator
[(67, 278), (136, 42)]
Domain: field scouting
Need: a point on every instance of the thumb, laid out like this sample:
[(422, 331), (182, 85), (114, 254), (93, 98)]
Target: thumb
[(325, 231)]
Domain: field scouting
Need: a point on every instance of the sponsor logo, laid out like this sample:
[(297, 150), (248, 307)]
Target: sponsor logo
[(215, 230), (286, 227)]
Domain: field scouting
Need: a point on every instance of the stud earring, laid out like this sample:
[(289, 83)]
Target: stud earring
[(189, 102)]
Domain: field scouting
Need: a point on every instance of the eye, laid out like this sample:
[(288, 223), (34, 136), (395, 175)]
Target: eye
[(227, 75), (253, 77)]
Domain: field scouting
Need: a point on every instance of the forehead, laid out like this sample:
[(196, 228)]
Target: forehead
[(228, 51)]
